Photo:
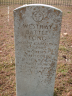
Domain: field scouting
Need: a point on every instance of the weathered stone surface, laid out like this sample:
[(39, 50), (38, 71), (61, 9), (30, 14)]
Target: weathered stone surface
[(37, 33)]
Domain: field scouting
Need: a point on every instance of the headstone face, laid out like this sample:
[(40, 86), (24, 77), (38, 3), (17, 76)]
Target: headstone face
[(37, 33)]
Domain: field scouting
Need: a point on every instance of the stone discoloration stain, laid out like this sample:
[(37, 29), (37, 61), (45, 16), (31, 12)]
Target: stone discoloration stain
[(21, 12)]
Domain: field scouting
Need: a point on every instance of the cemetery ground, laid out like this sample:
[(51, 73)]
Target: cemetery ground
[(63, 80)]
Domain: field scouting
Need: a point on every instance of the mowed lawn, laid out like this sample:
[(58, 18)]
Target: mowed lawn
[(63, 81)]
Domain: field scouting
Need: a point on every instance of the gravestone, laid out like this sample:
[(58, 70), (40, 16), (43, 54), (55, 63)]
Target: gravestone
[(37, 33)]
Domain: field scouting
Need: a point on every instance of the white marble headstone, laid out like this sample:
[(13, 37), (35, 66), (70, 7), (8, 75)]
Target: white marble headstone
[(37, 33)]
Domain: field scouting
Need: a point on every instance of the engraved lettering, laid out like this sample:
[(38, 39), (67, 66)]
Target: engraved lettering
[(31, 26), (46, 27), (41, 26), (51, 25), (25, 26)]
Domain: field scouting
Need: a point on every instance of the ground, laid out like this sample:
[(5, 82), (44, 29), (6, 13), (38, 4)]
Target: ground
[(63, 80)]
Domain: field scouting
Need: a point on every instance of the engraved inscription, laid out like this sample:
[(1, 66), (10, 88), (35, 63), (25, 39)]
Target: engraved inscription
[(37, 16), (36, 26)]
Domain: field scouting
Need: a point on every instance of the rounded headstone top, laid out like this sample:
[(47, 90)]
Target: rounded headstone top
[(39, 5)]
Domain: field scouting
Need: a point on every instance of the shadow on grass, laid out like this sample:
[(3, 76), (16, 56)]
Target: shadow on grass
[(55, 93)]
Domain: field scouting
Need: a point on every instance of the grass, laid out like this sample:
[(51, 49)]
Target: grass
[(69, 81), (68, 12), (63, 81), (62, 48)]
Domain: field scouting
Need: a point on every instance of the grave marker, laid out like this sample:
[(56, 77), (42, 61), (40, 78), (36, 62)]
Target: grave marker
[(37, 33)]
